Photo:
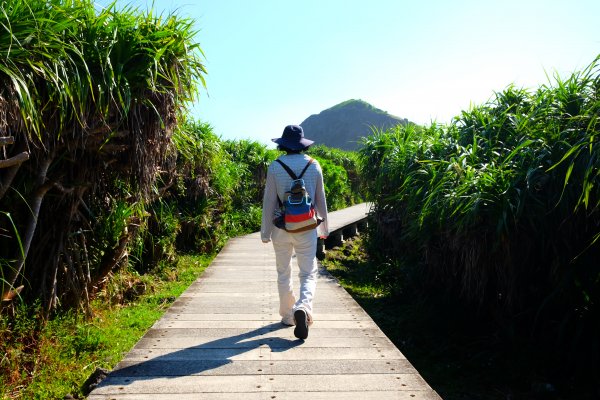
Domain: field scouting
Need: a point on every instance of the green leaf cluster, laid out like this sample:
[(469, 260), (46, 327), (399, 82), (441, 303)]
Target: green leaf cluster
[(340, 176), (500, 208), (71, 65)]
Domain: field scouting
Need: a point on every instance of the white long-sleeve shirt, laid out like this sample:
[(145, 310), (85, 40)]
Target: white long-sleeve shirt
[(279, 181)]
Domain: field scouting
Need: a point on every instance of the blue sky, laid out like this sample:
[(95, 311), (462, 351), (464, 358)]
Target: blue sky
[(272, 63)]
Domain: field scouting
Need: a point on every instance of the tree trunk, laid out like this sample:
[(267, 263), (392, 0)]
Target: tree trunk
[(111, 260), (12, 164), (15, 160), (35, 205)]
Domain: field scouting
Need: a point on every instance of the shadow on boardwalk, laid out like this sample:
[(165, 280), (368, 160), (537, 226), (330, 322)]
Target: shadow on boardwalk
[(195, 360)]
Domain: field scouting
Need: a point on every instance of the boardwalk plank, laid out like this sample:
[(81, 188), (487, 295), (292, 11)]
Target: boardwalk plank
[(251, 367), (262, 383)]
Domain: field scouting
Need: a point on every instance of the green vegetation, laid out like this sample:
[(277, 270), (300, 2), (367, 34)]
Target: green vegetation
[(498, 214), (97, 96), (340, 176), (48, 360)]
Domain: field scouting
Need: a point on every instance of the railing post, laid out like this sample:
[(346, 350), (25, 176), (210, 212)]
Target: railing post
[(350, 226)]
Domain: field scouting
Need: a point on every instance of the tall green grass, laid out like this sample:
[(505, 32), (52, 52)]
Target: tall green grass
[(500, 210), (69, 63), (96, 95)]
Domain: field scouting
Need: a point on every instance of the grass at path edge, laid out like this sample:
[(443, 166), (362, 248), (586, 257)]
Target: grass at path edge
[(52, 360)]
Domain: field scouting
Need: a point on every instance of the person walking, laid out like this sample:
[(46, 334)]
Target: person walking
[(304, 243)]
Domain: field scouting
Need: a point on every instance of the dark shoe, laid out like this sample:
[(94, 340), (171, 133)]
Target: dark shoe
[(301, 329)]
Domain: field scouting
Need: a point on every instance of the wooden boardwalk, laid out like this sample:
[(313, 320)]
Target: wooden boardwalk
[(222, 339)]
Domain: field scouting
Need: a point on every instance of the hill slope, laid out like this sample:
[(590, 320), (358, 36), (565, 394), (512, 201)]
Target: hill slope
[(343, 125)]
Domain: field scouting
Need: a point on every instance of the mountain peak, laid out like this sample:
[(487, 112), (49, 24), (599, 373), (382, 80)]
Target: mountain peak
[(343, 125), (356, 103)]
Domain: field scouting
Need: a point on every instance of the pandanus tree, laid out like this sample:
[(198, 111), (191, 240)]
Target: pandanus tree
[(89, 99)]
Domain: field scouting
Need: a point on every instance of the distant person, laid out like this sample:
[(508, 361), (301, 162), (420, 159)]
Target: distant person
[(297, 236)]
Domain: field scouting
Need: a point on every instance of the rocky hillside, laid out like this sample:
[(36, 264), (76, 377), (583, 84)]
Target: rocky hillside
[(343, 125)]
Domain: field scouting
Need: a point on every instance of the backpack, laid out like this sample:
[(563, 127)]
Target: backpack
[(297, 210)]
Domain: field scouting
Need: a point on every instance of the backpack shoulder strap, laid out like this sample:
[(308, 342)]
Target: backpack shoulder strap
[(310, 161), (288, 169)]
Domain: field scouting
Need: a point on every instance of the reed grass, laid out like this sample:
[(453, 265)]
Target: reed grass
[(500, 209)]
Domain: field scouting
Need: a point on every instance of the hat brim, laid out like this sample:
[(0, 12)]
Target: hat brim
[(293, 145)]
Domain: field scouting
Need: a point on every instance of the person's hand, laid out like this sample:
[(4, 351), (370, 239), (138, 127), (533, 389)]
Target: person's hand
[(323, 237)]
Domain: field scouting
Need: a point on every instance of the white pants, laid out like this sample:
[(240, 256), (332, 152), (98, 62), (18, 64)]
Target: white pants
[(304, 244)]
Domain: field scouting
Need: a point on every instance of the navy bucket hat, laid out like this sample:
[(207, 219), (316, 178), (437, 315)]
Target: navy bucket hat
[(293, 138)]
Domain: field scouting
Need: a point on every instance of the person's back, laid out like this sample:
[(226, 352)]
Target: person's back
[(313, 181), (304, 243)]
